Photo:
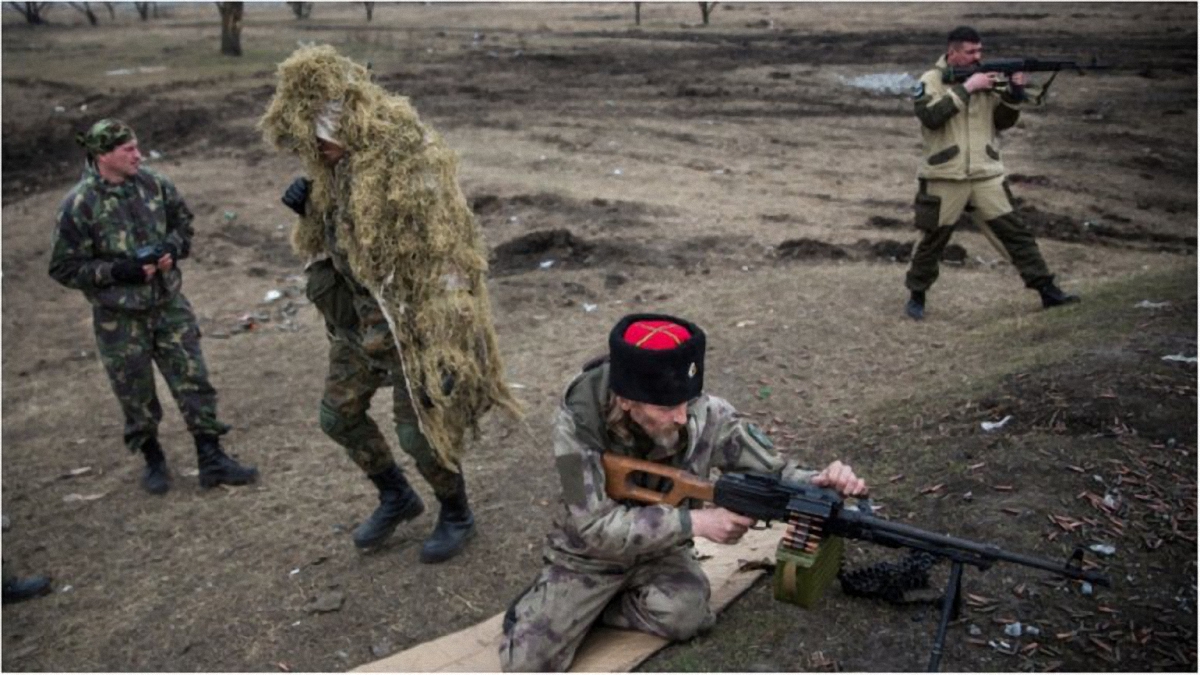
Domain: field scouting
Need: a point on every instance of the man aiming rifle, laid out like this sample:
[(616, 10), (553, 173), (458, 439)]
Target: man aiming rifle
[(962, 169)]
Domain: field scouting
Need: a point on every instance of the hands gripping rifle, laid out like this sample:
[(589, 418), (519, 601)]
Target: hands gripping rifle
[(814, 514)]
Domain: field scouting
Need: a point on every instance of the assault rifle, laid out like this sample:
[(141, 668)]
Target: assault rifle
[(1006, 67), (813, 513)]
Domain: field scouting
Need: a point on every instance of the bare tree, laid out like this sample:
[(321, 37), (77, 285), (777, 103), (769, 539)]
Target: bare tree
[(112, 12), (370, 7), (143, 9), (706, 8), (32, 11), (87, 11), (637, 13), (231, 27), (302, 10)]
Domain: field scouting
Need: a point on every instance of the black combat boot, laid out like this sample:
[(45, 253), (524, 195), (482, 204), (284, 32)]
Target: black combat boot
[(398, 503), (18, 589), (1053, 296), (155, 478), (455, 525), (915, 307), (216, 467)]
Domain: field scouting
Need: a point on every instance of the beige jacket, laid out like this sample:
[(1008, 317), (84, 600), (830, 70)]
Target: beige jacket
[(960, 129)]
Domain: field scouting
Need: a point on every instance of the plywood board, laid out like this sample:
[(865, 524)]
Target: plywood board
[(476, 649)]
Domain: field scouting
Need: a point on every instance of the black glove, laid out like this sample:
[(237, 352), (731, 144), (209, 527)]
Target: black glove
[(128, 272), (173, 250), (296, 196)]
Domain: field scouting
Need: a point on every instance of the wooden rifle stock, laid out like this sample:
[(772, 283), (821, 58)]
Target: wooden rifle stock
[(620, 471)]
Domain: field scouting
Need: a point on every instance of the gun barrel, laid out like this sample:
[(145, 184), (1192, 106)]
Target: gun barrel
[(858, 525)]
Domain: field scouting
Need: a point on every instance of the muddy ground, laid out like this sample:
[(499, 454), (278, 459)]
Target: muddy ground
[(730, 173)]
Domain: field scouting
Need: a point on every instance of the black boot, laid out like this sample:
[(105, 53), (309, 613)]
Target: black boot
[(18, 589), (455, 525), (1053, 296), (397, 503), (155, 478), (216, 467), (915, 307)]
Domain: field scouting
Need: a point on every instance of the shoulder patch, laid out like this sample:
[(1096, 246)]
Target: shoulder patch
[(570, 474), (919, 90), (759, 437)]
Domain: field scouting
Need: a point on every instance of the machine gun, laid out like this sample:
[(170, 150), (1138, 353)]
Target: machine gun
[(817, 517), (1006, 67)]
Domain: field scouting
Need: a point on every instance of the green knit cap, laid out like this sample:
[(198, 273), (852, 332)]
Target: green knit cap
[(104, 136)]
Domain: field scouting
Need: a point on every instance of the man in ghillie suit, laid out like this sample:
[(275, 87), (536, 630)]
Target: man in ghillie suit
[(121, 233), (397, 269)]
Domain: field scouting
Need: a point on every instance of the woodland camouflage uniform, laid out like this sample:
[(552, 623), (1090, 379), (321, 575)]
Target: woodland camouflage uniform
[(625, 564), (138, 325)]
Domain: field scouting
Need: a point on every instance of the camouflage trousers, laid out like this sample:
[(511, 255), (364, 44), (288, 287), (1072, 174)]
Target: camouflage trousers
[(544, 627), (991, 205), (351, 383), (130, 343)]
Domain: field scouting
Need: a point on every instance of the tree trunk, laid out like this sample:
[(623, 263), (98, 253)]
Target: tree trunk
[(87, 11), (231, 28), (706, 9), (112, 13), (32, 11), (370, 7), (637, 13), (143, 9)]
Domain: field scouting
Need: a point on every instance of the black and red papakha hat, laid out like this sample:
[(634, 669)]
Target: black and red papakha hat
[(656, 359)]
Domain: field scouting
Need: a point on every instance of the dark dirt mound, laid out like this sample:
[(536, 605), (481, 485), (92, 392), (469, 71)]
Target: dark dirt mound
[(886, 250)]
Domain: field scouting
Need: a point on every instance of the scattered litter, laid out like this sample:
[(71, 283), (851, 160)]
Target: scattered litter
[(76, 497), (83, 108), (59, 109), (294, 572), (1033, 630), (512, 219), (131, 71), (974, 630), (589, 307), (1103, 549), (546, 264), (67, 589), (883, 83), (76, 472), (230, 215), (1146, 304), (272, 295), (1013, 629), (992, 426), (617, 172), (1085, 588), (747, 322), (999, 645), (514, 385), (1180, 357)]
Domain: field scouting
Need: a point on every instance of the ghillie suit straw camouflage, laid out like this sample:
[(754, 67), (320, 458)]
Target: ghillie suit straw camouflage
[(410, 237)]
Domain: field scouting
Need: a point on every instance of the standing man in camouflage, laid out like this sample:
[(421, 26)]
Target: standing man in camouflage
[(627, 564), (962, 168), (121, 232)]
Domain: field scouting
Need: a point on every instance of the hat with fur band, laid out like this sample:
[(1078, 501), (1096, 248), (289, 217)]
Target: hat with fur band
[(656, 359)]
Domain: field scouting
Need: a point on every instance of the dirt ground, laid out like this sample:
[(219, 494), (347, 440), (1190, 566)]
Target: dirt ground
[(731, 173)]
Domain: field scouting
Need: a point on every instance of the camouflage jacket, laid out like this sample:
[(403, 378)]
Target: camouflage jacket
[(959, 129), (100, 223), (593, 532)]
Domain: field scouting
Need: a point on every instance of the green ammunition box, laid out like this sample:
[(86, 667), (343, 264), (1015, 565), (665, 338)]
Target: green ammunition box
[(801, 578)]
